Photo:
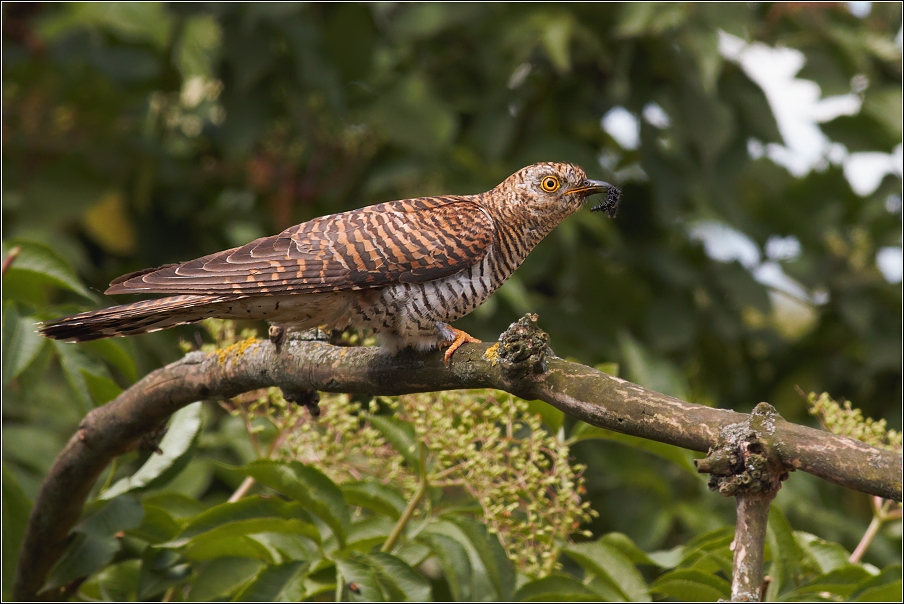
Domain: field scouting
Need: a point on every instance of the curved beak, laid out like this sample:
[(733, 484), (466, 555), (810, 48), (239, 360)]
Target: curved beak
[(589, 187)]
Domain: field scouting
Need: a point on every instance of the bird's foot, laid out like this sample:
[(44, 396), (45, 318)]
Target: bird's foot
[(309, 399), (461, 337), (277, 335)]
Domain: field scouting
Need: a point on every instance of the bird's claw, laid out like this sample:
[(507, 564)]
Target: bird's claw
[(461, 337)]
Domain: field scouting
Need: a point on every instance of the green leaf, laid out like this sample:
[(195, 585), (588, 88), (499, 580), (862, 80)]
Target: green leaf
[(177, 448), (310, 487), (453, 559), (39, 262), (375, 496), (360, 579), (75, 365), (691, 585), (281, 583), (623, 544), (290, 547), (710, 551), (552, 417), (96, 541), (555, 34), (613, 567), (102, 389), (555, 588), (84, 555), (21, 342), (157, 525), (841, 582), (647, 369), (884, 105), (398, 580), (114, 352), (115, 583), (829, 556), (177, 505), (16, 509), (221, 577), (648, 19), (880, 587), (400, 435), (249, 508), (226, 538), (860, 133), (365, 534), (160, 570), (890, 592), (492, 555), (414, 117), (682, 458), (107, 518), (785, 569)]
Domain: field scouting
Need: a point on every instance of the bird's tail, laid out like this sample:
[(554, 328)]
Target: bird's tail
[(132, 319)]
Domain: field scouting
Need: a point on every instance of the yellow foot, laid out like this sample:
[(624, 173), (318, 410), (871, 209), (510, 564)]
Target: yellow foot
[(461, 337)]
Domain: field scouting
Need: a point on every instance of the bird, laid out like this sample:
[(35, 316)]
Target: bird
[(403, 269)]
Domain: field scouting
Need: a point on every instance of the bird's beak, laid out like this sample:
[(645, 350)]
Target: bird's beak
[(589, 187)]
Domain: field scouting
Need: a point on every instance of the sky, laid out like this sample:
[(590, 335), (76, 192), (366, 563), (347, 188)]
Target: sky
[(798, 107)]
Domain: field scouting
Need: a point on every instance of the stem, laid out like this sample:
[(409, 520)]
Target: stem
[(113, 466), (871, 531), (10, 258), (750, 546), (242, 490), (881, 514), (412, 505), (340, 584)]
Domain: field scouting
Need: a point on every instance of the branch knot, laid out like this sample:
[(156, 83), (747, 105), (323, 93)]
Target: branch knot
[(743, 460), (523, 349)]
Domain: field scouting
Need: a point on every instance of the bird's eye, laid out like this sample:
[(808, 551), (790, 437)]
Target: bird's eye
[(550, 184)]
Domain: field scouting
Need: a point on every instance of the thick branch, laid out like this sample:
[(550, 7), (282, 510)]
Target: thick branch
[(594, 397)]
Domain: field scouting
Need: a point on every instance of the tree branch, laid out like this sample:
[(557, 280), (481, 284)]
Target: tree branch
[(520, 364)]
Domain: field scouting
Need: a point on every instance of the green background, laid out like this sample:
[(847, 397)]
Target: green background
[(140, 134)]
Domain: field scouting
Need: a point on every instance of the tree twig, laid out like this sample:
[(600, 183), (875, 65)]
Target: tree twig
[(519, 364), (744, 465)]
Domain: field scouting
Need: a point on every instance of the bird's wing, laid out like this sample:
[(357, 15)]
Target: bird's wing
[(409, 241)]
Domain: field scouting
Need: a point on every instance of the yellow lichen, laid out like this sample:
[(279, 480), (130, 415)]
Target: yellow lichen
[(237, 349), (492, 354)]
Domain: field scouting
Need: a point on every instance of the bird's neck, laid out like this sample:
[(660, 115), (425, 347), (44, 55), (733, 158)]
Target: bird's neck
[(517, 222)]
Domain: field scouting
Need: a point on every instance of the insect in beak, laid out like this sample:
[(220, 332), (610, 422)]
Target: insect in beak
[(613, 195)]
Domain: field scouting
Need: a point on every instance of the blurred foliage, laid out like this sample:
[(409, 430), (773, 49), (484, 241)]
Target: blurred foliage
[(140, 134)]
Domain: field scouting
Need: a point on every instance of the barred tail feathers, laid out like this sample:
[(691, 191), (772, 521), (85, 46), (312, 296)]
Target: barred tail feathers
[(132, 319)]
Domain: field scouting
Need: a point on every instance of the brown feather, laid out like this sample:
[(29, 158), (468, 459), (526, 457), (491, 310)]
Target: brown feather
[(397, 242)]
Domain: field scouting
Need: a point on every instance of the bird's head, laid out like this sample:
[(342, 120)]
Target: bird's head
[(552, 190)]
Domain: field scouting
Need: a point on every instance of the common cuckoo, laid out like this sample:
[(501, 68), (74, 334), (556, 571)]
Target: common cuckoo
[(403, 269)]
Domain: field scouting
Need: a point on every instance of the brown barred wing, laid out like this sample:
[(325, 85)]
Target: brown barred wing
[(409, 241)]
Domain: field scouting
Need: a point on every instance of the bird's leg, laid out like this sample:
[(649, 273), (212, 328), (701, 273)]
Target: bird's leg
[(461, 337)]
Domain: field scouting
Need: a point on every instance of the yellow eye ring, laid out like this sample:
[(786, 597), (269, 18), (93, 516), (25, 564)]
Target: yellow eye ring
[(550, 184)]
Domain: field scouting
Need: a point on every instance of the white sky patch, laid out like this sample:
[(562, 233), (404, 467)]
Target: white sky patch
[(771, 275), (725, 244), (860, 9), (782, 248), (621, 125), (865, 171), (797, 107), (890, 261), (656, 115)]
